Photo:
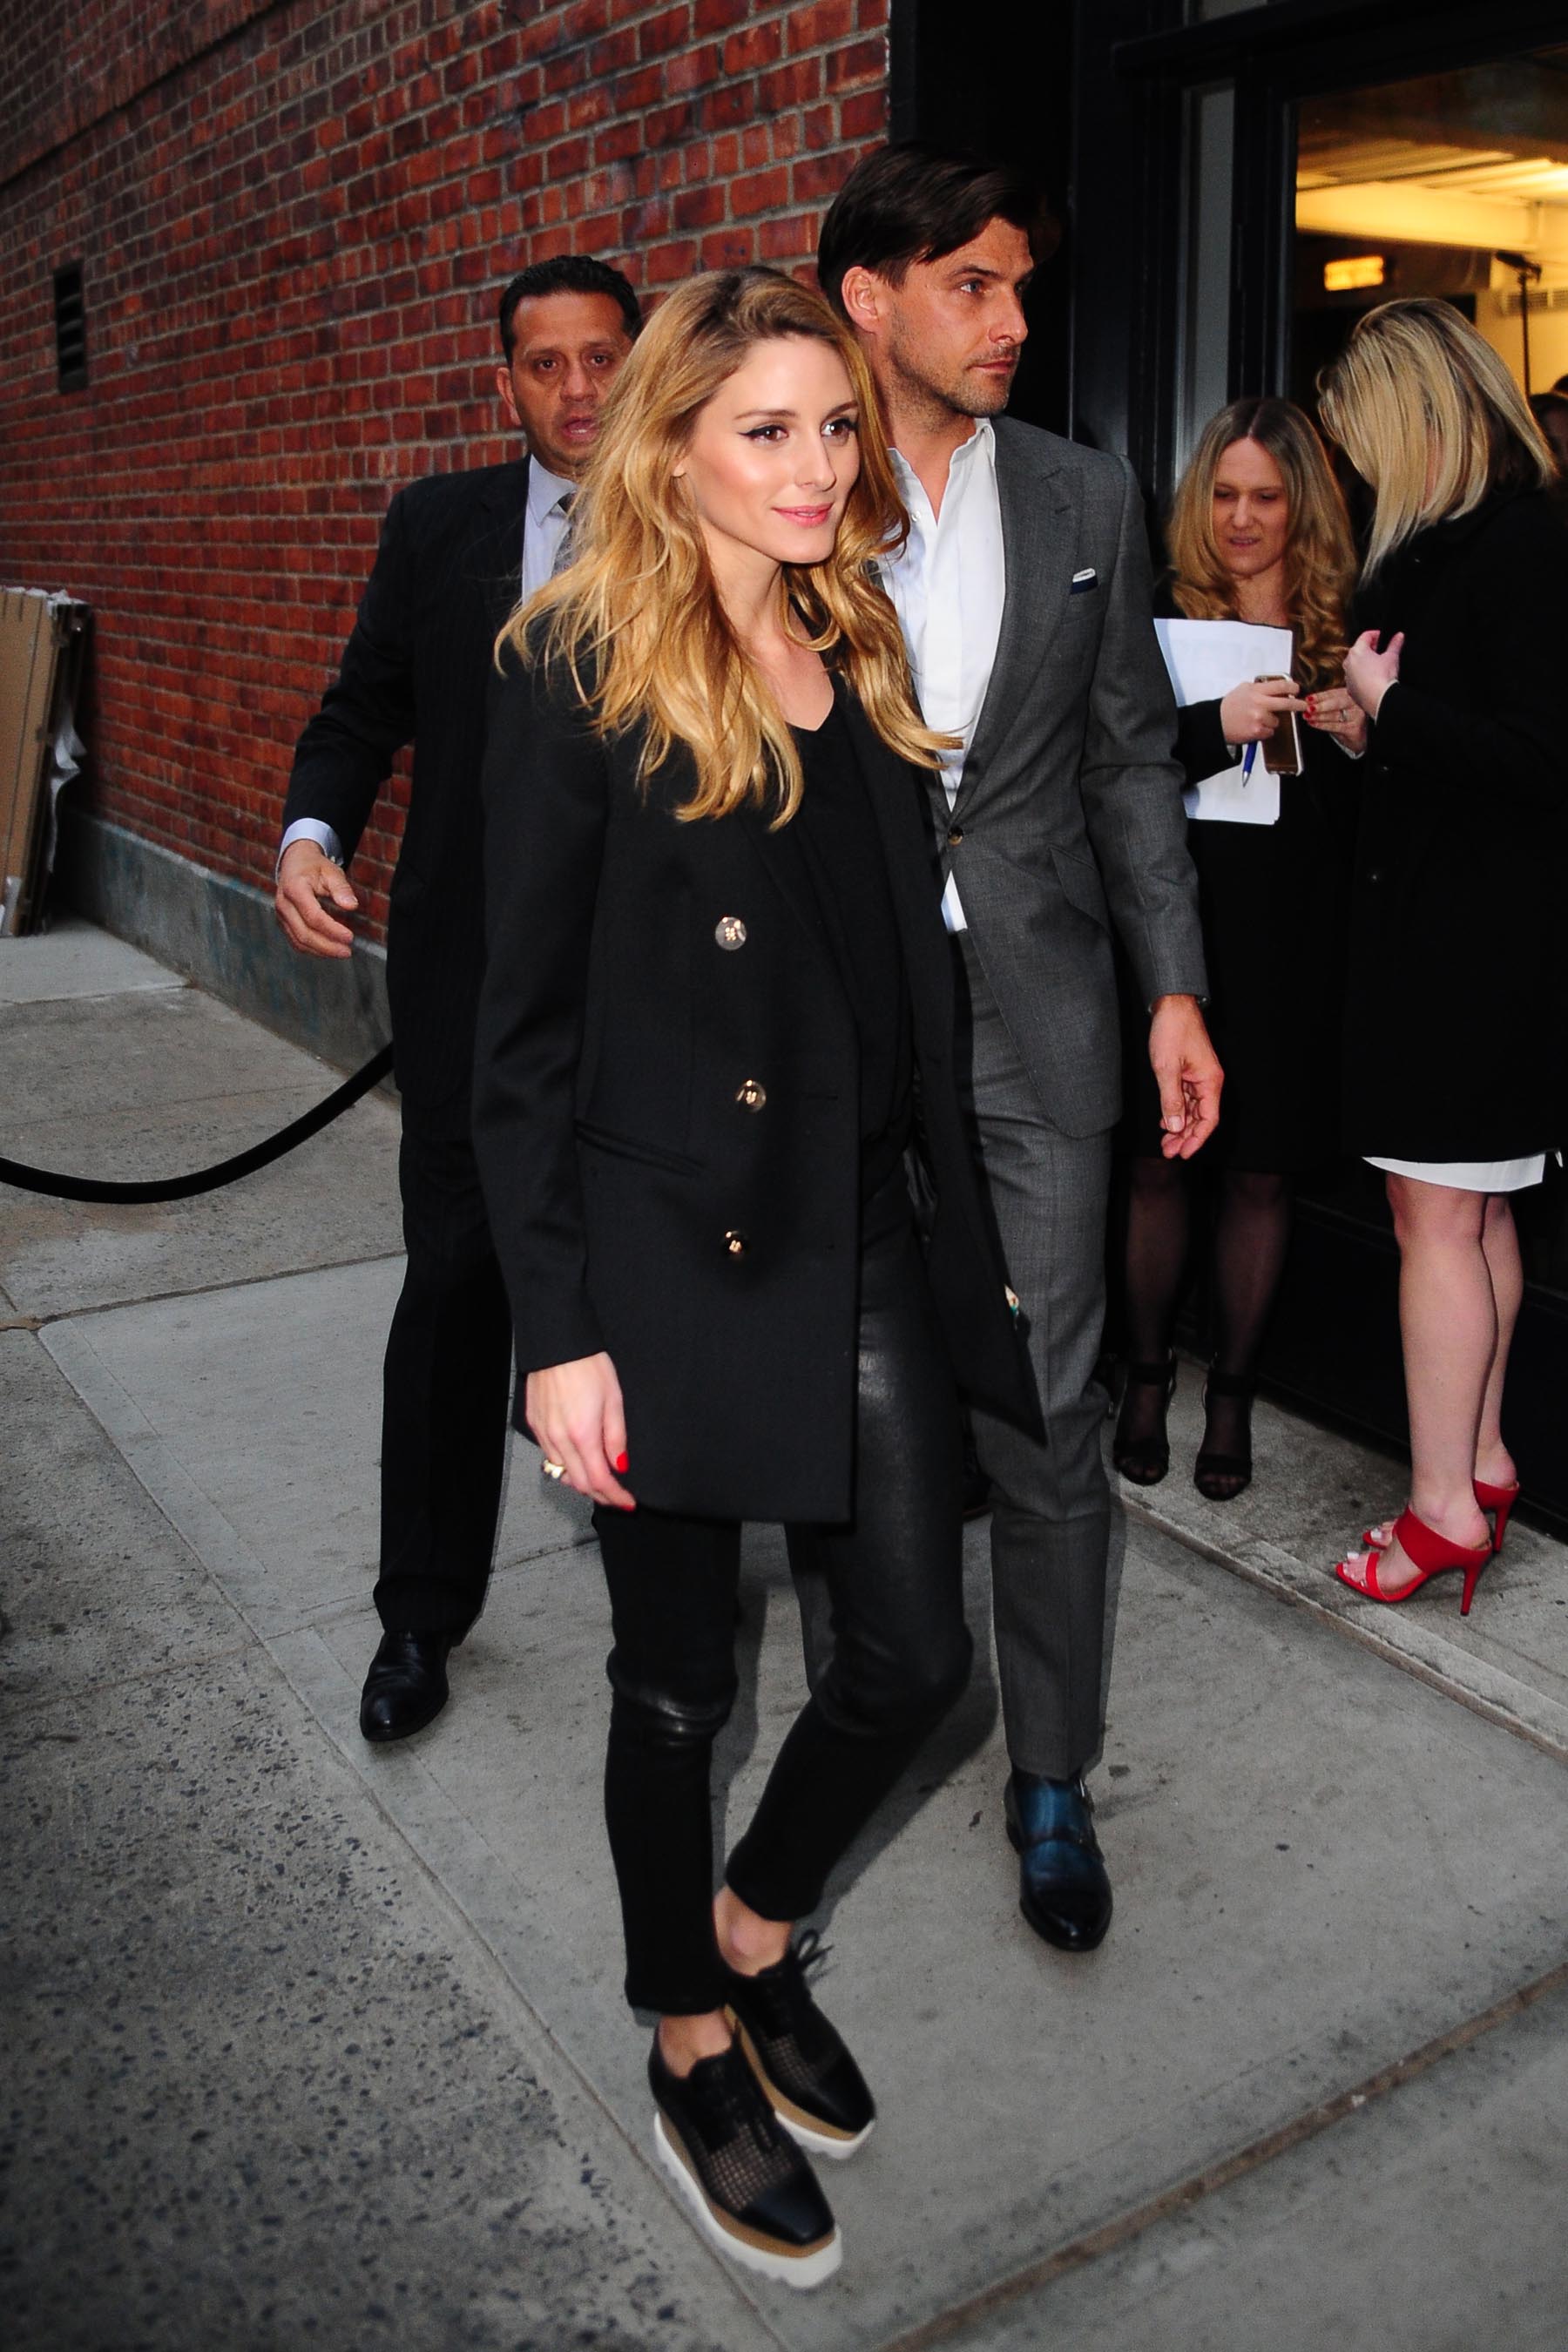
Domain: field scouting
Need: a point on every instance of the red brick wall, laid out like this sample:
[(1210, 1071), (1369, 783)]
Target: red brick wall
[(293, 220)]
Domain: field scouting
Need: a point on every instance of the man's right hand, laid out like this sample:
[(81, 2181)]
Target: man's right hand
[(310, 885)]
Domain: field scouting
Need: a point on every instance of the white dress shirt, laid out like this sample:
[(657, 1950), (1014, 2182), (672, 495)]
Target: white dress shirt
[(544, 528), (948, 586), (549, 502)]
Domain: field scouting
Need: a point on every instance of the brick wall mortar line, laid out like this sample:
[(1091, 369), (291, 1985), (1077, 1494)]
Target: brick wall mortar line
[(81, 129)]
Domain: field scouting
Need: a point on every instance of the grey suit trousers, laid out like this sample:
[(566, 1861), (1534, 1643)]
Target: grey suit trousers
[(1050, 1519)]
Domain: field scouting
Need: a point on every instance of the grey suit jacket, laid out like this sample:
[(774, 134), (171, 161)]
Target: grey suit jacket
[(1068, 823)]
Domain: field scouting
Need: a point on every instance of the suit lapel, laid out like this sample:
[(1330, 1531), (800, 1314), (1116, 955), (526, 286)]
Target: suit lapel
[(498, 538), (1037, 548)]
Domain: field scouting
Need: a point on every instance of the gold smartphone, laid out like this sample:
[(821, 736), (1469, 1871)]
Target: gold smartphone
[(1282, 749)]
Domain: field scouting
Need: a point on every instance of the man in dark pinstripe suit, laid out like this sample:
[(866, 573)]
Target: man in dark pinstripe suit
[(456, 551)]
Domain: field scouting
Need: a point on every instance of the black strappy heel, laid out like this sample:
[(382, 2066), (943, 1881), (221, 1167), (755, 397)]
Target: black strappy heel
[(1145, 1463), (1221, 1477)]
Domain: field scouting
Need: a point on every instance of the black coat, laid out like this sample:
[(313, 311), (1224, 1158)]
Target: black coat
[(1457, 993), (641, 971), (1274, 900), (416, 669)]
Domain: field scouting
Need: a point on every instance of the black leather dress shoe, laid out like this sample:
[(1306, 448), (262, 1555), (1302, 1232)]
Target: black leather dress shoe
[(407, 1686), (1064, 1887)]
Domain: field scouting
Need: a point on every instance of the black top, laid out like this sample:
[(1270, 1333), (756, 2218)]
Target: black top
[(849, 873), (1274, 900), (1458, 977)]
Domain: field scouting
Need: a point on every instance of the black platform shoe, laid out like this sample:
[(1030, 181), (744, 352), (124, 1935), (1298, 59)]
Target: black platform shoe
[(812, 2084), (751, 2188), (407, 1686)]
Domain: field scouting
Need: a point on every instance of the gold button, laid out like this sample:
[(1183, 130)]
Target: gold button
[(735, 1244), (956, 836), (730, 932), (750, 1096)]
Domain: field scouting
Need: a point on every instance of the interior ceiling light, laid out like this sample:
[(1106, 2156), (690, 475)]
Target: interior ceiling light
[(1359, 270)]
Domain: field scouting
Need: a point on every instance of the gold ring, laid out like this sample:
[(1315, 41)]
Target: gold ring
[(553, 1470)]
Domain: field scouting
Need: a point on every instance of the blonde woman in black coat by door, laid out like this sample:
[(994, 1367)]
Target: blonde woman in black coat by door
[(1457, 1000)]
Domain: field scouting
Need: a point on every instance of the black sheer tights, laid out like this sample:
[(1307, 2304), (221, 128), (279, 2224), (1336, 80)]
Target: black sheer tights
[(1251, 1233)]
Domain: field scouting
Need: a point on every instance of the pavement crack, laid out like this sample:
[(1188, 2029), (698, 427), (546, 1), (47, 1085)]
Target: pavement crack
[(199, 1290), (1183, 2195)]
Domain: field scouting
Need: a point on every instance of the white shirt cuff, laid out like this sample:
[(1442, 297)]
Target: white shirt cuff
[(311, 828)]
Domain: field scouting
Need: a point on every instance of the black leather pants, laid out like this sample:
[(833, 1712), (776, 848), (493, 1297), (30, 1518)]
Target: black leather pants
[(901, 1654)]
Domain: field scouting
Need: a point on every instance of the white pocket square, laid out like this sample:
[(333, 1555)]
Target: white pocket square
[(1086, 578)]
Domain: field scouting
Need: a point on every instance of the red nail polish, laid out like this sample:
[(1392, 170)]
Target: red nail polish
[(621, 1462)]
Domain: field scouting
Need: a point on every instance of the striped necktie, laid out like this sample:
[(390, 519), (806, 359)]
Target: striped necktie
[(564, 548)]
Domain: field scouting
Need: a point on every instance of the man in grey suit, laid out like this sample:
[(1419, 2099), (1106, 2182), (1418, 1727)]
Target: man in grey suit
[(1023, 592)]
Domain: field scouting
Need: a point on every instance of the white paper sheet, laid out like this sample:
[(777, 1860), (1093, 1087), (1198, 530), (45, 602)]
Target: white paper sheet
[(1206, 659)]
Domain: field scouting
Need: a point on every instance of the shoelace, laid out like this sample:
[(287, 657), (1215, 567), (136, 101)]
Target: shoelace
[(786, 1997)]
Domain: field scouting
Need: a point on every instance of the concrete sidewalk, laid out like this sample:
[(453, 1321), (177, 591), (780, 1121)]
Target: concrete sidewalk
[(312, 2041)]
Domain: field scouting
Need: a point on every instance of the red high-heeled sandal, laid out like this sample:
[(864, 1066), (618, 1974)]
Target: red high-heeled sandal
[(1429, 1554), (1500, 1499)]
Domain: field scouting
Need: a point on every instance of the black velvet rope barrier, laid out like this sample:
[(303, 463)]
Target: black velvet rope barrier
[(205, 1180)]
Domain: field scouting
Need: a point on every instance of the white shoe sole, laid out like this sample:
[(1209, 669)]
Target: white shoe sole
[(806, 2270), (817, 2143)]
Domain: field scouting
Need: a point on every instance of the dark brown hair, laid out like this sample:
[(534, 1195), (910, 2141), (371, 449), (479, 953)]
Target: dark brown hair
[(914, 202)]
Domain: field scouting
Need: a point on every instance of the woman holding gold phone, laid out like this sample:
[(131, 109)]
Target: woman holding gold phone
[(1258, 533)]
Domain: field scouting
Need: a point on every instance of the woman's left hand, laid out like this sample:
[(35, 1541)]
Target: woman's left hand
[(1369, 673), (1336, 712)]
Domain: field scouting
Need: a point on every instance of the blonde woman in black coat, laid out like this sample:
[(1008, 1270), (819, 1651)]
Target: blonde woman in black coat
[(717, 978), (1455, 1082)]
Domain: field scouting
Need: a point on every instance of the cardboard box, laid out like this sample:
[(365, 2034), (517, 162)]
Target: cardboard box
[(42, 639)]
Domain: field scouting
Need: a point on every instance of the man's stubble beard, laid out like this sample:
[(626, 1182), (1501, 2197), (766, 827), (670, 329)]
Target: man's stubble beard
[(935, 401)]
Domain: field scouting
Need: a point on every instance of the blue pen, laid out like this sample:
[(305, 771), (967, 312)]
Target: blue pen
[(1247, 764)]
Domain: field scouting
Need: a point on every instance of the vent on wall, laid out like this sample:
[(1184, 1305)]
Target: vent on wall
[(71, 328), (1541, 298)]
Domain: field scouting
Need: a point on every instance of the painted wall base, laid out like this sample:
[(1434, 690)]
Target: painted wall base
[(223, 935)]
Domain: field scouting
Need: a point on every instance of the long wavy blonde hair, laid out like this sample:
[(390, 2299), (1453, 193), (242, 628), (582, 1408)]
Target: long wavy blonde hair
[(638, 614), (1320, 555), (1429, 416)]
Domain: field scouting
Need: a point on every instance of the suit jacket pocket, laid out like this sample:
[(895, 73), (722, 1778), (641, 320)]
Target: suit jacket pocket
[(632, 1147), (1079, 879)]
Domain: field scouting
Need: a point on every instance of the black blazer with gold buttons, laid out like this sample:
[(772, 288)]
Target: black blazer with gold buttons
[(665, 1112)]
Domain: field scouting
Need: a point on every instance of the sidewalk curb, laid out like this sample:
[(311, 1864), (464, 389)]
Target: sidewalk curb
[(1410, 1643)]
